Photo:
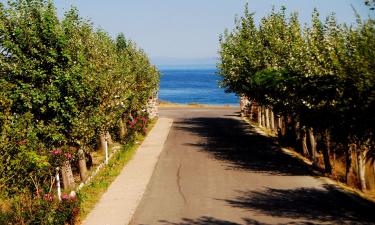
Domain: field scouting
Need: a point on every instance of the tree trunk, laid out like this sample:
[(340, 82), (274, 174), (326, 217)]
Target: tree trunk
[(362, 169), (260, 116), (281, 131), (67, 175), (267, 117), (263, 116), (283, 125), (242, 101), (290, 135), (304, 142), (333, 161), (82, 165), (347, 163), (351, 178), (313, 146), (279, 122), (122, 128), (102, 141), (272, 121), (251, 116), (326, 152), (109, 138)]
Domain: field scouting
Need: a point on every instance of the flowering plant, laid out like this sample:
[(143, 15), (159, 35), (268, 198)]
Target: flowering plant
[(60, 155), (139, 123)]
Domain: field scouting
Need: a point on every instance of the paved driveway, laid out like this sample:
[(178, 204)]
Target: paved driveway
[(215, 169)]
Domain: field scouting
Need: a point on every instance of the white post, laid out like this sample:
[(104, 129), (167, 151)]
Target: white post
[(106, 149), (58, 183)]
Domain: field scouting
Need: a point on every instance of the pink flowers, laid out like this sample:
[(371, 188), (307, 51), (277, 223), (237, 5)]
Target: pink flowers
[(138, 123), (48, 197), (72, 197), (68, 156), (56, 152), (133, 122), (65, 196)]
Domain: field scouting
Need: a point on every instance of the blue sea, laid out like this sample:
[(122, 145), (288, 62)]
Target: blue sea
[(193, 85)]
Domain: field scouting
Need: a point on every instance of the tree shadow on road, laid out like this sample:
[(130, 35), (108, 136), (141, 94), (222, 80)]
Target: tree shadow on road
[(241, 148), (315, 205), (204, 220), (236, 142)]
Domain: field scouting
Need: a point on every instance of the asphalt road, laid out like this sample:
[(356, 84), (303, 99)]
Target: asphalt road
[(215, 169)]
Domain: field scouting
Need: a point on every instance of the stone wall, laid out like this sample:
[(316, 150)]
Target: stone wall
[(152, 106), (245, 106)]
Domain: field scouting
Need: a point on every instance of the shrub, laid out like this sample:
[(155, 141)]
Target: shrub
[(40, 209)]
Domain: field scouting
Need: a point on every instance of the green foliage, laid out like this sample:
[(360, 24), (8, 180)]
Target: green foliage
[(62, 83), (43, 209), (323, 74)]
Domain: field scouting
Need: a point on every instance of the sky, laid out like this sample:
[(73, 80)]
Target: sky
[(187, 32)]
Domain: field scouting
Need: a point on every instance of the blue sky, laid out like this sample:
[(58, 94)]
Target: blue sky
[(176, 31)]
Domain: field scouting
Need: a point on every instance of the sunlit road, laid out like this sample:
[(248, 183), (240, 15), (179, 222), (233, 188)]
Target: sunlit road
[(215, 169)]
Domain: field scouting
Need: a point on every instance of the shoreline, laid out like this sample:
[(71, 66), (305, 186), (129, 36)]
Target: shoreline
[(163, 104)]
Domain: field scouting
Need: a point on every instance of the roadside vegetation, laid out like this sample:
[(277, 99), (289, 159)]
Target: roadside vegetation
[(66, 89), (91, 193), (312, 85)]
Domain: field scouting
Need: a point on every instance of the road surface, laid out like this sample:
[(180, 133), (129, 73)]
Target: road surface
[(215, 169)]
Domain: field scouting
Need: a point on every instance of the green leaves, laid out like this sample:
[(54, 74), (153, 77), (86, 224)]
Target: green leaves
[(324, 73), (61, 83)]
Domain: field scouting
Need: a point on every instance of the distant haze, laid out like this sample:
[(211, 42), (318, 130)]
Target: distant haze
[(184, 63)]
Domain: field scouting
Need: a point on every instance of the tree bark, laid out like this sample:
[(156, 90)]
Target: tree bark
[(313, 146), (260, 116), (272, 121), (67, 175), (283, 125), (326, 152), (279, 122), (267, 117), (82, 165), (109, 138), (362, 169), (102, 141), (304, 142), (263, 116), (242, 100), (352, 164), (281, 130), (122, 127), (347, 162), (251, 116), (333, 161), (290, 135)]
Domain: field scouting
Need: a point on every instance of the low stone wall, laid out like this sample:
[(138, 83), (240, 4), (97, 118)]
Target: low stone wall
[(152, 106)]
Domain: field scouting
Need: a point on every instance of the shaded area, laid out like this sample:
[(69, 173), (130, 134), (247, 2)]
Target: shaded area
[(204, 220), (235, 142), (323, 205)]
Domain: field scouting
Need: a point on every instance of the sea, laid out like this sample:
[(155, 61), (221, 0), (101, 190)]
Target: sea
[(190, 85)]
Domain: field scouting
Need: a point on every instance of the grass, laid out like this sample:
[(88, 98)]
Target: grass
[(93, 191)]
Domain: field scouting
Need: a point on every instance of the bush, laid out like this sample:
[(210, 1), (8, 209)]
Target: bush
[(40, 209)]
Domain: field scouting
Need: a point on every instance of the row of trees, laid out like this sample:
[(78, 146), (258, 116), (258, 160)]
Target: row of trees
[(63, 85), (320, 77)]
